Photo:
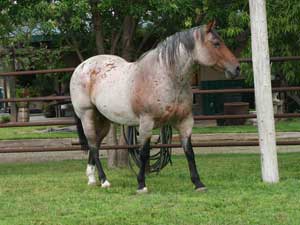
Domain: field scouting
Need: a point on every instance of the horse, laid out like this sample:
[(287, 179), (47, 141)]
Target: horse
[(152, 91)]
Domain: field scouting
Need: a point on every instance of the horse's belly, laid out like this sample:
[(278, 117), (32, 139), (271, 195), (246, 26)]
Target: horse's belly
[(112, 99), (118, 113)]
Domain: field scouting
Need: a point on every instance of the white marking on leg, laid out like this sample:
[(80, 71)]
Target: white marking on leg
[(105, 184), (201, 189), (90, 172), (142, 191)]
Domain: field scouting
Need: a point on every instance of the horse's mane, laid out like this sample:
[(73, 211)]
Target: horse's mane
[(168, 49)]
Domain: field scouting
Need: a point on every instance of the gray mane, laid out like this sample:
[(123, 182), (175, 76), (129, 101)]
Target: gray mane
[(169, 48)]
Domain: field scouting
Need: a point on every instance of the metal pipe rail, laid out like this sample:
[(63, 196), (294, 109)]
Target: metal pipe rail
[(273, 59), (119, 147), (241, 90), (37, 99), (34, 124), (244, 116), (38, 72)]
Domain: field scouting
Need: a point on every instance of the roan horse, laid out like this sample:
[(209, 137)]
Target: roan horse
[(150, 92)]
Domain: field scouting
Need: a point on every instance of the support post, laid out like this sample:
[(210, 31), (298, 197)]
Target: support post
[(263, 93), (12, 89)]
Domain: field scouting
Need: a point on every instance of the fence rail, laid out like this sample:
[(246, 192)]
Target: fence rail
[(119, 147), (37, 99), (37, 72)]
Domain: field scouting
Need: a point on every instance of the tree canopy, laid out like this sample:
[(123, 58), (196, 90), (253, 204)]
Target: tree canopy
[(128, 28)]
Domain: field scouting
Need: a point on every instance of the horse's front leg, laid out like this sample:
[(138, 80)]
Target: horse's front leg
[(145, 133), (185, 130)]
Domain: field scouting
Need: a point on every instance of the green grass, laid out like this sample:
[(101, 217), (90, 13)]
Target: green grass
[(290, 125), (56, 193), (14, 133)]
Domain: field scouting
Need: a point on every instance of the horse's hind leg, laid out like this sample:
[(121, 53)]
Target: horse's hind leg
[(185, 130), (95, 127), (145, 131)]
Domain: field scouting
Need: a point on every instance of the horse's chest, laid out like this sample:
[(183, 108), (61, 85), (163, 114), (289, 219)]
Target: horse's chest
[(173, 112), (161, 100)]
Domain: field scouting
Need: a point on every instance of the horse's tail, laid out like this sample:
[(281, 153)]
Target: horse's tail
[(82, 138)]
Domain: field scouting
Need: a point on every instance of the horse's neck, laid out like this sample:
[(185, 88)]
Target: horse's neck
[(181, 69), (176, 74)]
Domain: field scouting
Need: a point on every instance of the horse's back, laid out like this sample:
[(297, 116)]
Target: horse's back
[(104, 81)]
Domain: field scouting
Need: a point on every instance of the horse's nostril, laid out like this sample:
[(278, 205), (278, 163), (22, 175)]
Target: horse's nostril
[(238, 70)]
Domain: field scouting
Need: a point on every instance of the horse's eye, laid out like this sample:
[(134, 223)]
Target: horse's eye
[(217, 45)]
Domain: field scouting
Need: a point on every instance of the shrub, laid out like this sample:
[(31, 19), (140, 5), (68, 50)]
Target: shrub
[(4, 119)]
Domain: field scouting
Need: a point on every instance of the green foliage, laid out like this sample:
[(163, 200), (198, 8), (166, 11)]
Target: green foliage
[(284, 40), (4, 119), (284, 36)]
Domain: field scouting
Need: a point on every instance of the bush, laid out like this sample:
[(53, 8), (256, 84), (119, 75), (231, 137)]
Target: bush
[(5, 119)]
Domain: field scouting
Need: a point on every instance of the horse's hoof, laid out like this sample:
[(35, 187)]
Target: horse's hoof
[(91, 183), (201, 189), (142, 191), (105, 184)]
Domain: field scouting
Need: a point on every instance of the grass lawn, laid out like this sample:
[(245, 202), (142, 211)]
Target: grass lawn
[(56, 193), (14, 133), (290, 125)]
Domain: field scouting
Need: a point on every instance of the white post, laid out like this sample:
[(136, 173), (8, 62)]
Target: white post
[(263, 92)]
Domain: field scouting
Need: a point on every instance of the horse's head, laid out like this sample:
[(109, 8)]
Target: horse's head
[(210, 50)]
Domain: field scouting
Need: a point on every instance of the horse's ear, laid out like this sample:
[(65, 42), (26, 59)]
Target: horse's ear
[(210, 26)]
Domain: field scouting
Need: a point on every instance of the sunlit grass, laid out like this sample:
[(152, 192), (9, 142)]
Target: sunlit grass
[(56, 193), (14, 133)]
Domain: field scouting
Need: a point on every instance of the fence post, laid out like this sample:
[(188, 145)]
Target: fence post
[(263, 93), (12, 89)]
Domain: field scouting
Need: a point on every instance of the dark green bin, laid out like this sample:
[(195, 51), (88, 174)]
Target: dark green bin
[(214, 103)]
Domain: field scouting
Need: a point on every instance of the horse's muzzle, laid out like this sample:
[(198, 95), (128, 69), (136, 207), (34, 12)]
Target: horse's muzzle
[(233, 73)]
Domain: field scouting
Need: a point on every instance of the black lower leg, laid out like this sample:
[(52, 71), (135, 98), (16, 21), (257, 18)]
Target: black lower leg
[(95, 158), (144, 157), (91, 160), (189, 153)]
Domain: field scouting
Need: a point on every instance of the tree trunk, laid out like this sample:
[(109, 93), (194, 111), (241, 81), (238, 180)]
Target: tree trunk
[(122, 155), (112, 140), (242, 40), (74, 44), (114, 41), (129, 26), (96, 19)]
